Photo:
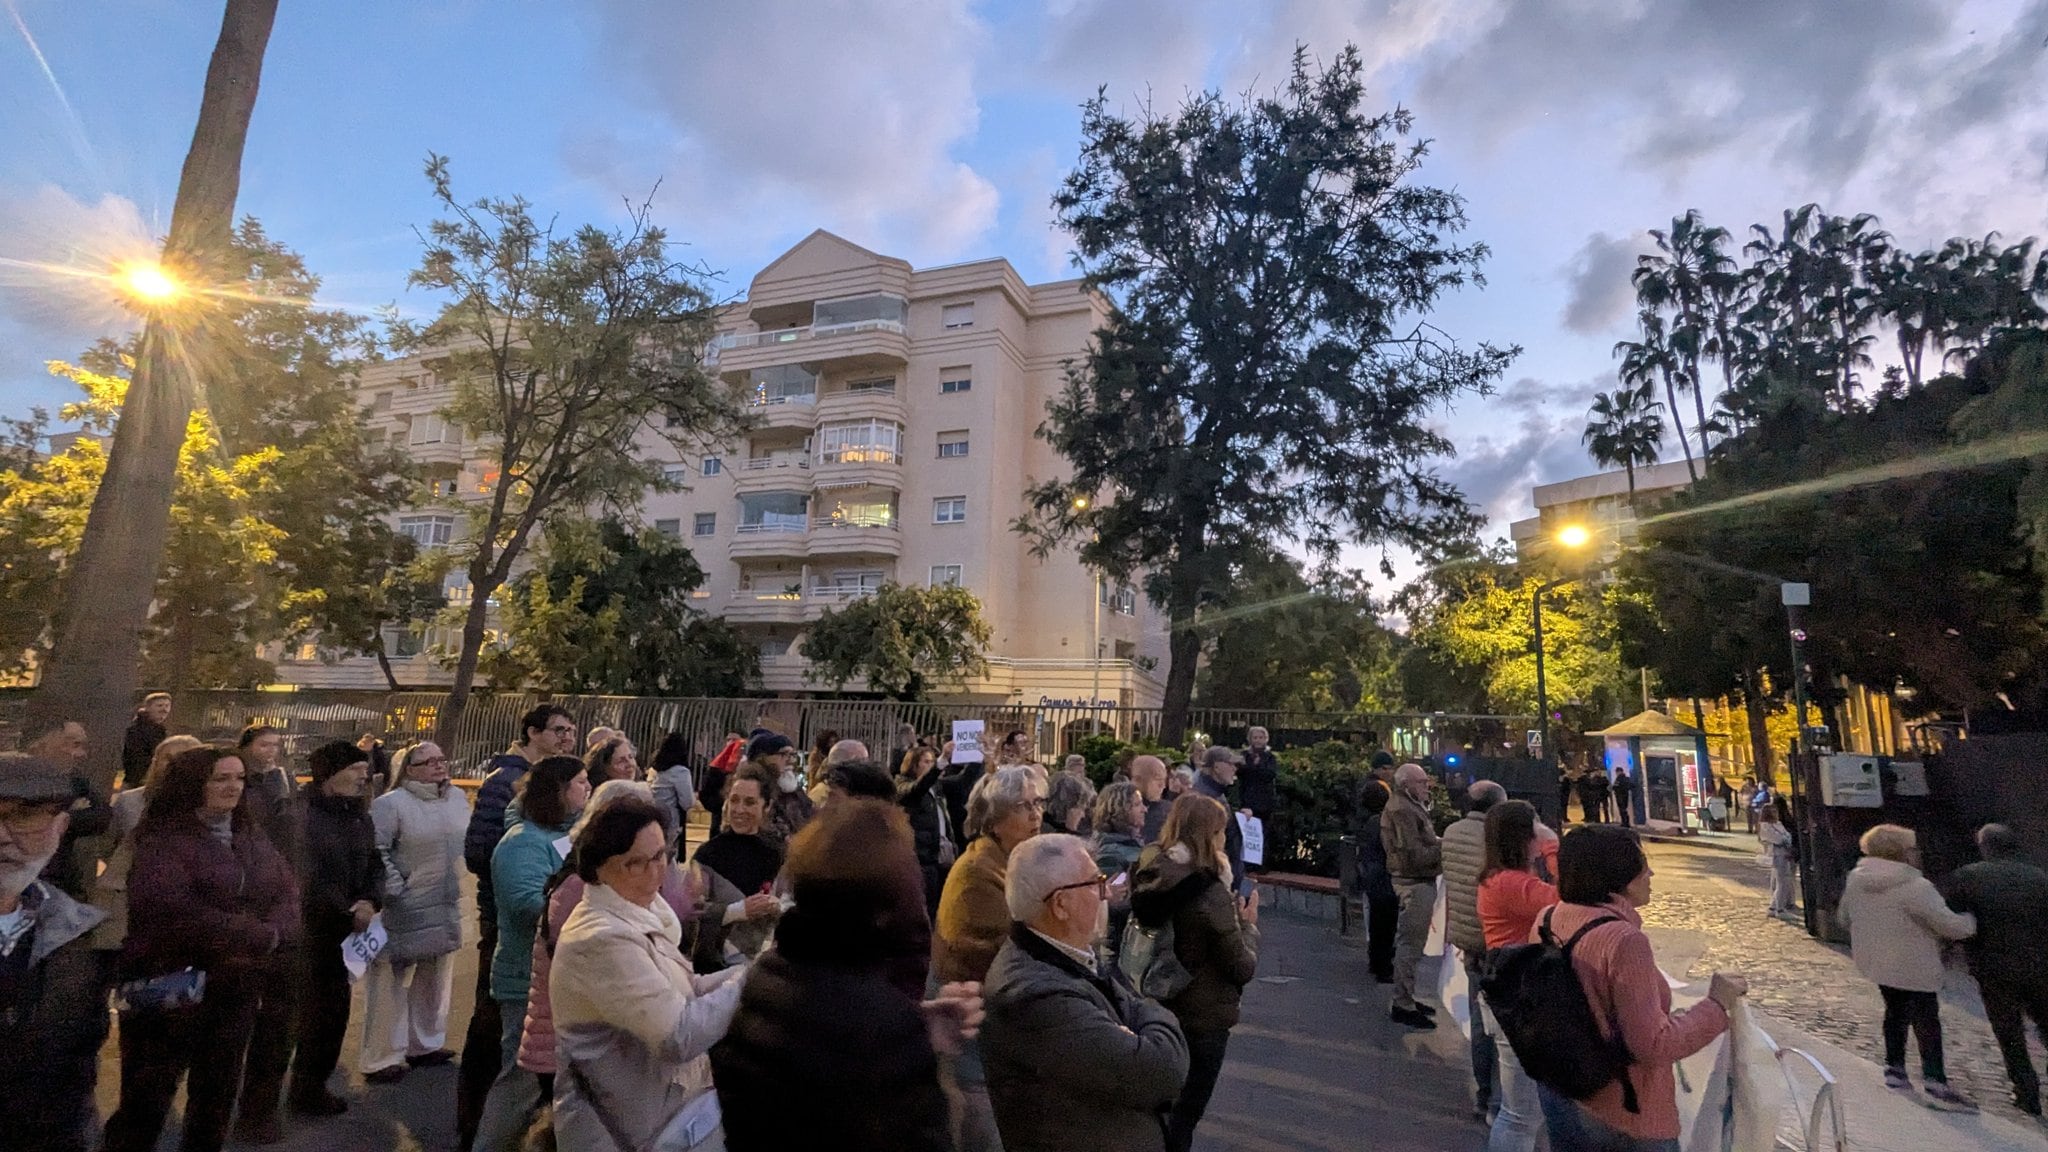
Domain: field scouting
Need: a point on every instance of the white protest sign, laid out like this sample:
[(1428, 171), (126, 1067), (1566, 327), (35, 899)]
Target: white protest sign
[(360, 950), (967, 741), (1254, 831)]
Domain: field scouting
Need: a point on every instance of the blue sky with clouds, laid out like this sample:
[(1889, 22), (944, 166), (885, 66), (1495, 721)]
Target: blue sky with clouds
[(936, 130)]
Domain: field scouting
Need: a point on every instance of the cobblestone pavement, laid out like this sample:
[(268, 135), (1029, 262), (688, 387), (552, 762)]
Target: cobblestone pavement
[(1721, 898)]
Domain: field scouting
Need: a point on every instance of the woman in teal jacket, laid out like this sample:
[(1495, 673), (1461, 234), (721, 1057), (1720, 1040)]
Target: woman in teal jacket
[(535, 844)]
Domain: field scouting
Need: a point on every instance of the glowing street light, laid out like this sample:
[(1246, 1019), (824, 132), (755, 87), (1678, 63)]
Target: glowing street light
[(1080, 503), (148, 282), (1573, 536)]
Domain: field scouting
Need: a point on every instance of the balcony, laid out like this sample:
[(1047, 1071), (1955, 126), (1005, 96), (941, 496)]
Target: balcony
[(770, 540), (798, 411), (883, 344), (855, 536), (440, 452), (766, 605), (869, 403), (782, 472)]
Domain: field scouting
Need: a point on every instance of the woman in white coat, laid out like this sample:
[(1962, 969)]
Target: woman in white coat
[(420, 823), (1897, 922), (633, 1023)]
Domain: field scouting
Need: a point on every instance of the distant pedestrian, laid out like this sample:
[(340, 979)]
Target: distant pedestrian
[(144, 733), (1567, 787), (1593, 792), (1603, 880), (1625, 795), (1258, 777), (674, 790), (1218, 774), (1183, 881), (1748, 805), (1382, 901), (272, 785), (1777, 842), (1897, 922), (1179, 783), (933, 836), (1414, 860), (1077, 1062), (2009, 953), (1075, 765), (1464, 859)]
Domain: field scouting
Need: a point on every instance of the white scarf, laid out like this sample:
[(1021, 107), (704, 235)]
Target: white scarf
[(657, 919)]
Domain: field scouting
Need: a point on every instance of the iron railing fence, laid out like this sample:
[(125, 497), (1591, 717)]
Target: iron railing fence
[(488, 725)]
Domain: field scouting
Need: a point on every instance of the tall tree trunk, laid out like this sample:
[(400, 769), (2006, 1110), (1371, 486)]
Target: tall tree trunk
[(1756, 709), (1699, 406), (474, 623), (94, 664), (1630, 464), (1678, 426), (1183, 643), (384, 665)]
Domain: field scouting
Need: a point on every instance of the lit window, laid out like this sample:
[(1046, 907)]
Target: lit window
[(952, 444), (957, 316), (867, 442), (428, 531), (706, 524), (669, 528), (956, 379), (949, 510), (713, 465), (945, 575)]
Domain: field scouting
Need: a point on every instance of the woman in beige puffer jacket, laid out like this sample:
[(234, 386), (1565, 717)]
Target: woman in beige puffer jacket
[(1897, 922)]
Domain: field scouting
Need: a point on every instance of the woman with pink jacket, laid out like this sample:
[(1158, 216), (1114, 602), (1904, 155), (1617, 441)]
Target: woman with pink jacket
[(1603, 877)]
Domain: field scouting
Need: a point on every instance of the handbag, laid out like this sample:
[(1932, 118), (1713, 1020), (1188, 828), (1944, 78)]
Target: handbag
[(180, 989)]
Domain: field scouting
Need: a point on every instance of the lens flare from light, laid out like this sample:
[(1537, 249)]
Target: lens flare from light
[(1573, 536), (148, 282)]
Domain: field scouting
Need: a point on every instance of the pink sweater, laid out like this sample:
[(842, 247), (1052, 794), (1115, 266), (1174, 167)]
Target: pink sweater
[(1623, 985)]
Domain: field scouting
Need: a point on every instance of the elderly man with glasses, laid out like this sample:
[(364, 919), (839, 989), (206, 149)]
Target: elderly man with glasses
[(53, 1014), (1076, 1060)]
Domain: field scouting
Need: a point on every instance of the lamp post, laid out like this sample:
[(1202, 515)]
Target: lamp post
[(1573, 536)]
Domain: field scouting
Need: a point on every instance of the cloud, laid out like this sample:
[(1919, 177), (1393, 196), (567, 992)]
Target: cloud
[(55, 255), (1525, 434), (1598, 275), (840, 114)]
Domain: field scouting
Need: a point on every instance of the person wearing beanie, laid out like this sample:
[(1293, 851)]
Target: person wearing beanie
[(789, 809), (341, 890)]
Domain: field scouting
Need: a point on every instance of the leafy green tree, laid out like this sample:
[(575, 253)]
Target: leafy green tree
[(562, 351), (1281, 642), (1488, 633), (1267, 370), (905, 641), (610, 613), (1625, 427)]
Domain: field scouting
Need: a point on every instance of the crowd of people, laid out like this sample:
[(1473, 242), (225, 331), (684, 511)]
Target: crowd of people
[(912, 951)]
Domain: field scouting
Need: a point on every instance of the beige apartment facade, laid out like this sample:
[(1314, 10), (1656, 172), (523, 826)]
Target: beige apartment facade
[(894, 411)]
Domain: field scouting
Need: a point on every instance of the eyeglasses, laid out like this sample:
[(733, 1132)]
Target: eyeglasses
[(30, 820), (425, 761), (1036, 804), (661, 861), (562, 729), (1100, 883)]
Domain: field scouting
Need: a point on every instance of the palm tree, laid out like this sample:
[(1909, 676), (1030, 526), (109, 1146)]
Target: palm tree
[(1644, 362), (1693, 276), (1625, 427)]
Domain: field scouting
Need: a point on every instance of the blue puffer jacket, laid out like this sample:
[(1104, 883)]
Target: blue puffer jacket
[(520, 868), (487, 827)]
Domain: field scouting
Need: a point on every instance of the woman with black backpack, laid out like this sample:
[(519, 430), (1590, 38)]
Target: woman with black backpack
[(1511, 899), (1603, 877), (1185, 880)]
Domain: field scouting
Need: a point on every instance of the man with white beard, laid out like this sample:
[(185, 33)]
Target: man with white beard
[(53, 1015)]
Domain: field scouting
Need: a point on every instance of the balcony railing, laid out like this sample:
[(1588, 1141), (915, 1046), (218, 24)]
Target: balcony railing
[(794, 335), (768, 527), (764, 463), (857, 520), (794, 398), (860, 454)]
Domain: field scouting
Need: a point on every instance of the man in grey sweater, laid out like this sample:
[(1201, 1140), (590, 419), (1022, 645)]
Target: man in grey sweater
[(1415, 859)]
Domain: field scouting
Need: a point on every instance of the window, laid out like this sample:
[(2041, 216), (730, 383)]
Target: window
[(1119, 598), (875, 311), (886, 385), (949, 510), (428, 531), (867, 509), (410, 642), (1126, 650), (381, 402), (782, 384), (945, 575), (675, 473), (669, 528), (865, 442), (432, 428), (957, 316), (956, 379), (774, 646), (706, 524), (853, 583), (713, 465), (774, 512), (952, 444)]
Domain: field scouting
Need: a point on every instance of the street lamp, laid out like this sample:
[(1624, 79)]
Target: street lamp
[(1573, 536), (148, 283)]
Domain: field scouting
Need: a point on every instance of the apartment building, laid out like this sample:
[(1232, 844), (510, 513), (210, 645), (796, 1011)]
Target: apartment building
[(895, 409), (1599, 504)]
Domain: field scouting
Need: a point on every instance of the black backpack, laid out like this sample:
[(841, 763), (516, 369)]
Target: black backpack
[(1534, 993)]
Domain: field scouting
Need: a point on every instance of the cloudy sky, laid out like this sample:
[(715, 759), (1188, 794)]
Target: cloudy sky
[(936, 130)]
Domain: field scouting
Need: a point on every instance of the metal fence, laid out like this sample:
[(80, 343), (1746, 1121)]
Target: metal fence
[(489, 724)]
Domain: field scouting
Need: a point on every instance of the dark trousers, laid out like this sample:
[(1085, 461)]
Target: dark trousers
[(712, 796), (274, 1035), (2008, 1006), (1382, 917), (480, 1046), (1621, 804), (1920, 1011), (1205, 1063), (1485, 1050), (323, 1017), (203, 1044)]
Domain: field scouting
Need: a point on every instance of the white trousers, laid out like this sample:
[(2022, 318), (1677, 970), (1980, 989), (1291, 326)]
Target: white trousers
[(406, 1010)]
